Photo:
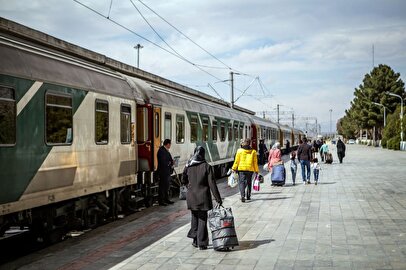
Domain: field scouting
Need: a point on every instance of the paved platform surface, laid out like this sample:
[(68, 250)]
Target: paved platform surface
[(354, 219)]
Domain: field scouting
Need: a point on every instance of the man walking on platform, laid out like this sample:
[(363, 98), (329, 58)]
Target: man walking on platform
[(165, 169), (340, 150), (304, 155), (245, 163)]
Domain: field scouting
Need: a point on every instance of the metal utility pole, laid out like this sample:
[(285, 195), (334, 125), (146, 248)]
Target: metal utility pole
[(384, 112), (331, 122), (373, 56), (138, 47), (277, 109), (293, 120), (232, 88)]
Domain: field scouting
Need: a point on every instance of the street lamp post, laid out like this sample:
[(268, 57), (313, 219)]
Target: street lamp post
[(138, 47), (384, 112), (331, 122), (401, 113)]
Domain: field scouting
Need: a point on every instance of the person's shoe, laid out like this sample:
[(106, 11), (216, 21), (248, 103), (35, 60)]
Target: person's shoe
[(248, 198), (242, 199), (294, 183), (169, 202), (202, 247), (163, 204), (194, 243), (304, 183), (308, 181), (315, 183)]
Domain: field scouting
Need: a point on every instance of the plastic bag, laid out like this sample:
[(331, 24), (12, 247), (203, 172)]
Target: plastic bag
[(266, 167), (182, 192), (233, 180), (256, 185)]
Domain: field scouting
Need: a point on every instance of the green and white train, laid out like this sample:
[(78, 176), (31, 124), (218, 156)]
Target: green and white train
[(79, 132)]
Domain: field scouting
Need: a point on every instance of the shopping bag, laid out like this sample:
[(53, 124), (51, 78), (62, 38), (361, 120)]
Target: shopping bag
[(256, 183), (266, 167), (233, 180), (182, 192)]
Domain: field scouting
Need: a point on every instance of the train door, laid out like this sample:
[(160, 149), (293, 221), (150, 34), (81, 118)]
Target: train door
[(157, 135), (254, 136), (145, 137)]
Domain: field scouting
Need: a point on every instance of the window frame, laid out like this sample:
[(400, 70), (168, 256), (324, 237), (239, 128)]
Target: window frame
[(59, 94), (223, 131), (15, 115), (181, 116), (95, 119), (157, 125), (170, 126), (230, 131), (121, 112), (214, 132), (205, 119), (194, 116), (236, 131)]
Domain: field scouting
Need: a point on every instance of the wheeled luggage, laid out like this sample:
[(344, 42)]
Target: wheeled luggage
[(221, 222), (329, 158), (278, 175)]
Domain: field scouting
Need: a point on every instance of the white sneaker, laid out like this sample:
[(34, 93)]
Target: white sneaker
[(304, 183)]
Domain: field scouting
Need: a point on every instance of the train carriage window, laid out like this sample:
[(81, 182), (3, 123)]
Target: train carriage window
[(241, 130), (157, 124), (58, 119), (142, 125), (246, 132), (205, 130), (214, 130), (230, 132), (193, 128), (102, 122), (7, 116), (125, 123), (222, 131), (180, 128), (236, 131), (168, 125)]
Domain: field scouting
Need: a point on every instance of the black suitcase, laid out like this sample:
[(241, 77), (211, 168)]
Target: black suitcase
[(221, 222), (329, 158)]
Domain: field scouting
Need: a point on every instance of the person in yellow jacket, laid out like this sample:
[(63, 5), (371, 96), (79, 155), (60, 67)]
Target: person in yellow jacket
[(245, 163)]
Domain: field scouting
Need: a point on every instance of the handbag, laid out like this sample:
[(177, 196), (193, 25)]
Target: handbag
[(233, 180), (182, 192)]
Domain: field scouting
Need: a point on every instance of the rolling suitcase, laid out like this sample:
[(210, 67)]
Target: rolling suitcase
[(329, 158), (278, 175), (221, 222)]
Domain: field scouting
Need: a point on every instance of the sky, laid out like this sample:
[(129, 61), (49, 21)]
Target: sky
[(309, 55)]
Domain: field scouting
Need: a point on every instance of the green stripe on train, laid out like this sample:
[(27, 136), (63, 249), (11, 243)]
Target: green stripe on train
[(20, 163)]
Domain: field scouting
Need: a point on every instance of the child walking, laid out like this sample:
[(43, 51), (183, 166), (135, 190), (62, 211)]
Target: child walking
[(316, 170), (293, 166)]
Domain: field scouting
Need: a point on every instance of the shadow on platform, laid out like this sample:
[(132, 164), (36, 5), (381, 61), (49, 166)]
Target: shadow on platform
[(266, 199), (244, 245), (326, 183), (262, 193)]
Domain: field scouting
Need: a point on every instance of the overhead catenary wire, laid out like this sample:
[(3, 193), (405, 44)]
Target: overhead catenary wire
[(167, 44), (111, 4), (144, 38)]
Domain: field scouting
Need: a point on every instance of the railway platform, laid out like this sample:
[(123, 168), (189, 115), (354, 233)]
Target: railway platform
[(354, 219)]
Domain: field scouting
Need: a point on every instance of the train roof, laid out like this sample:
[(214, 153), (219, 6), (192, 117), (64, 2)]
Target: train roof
[(12, 31), (264, 122)]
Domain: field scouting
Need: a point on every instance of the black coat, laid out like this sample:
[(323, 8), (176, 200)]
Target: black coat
[(304, 152), (165, 161), (341, 147), (200, 181)]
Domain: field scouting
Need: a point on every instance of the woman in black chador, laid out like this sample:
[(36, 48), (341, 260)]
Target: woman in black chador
[(199, 178)]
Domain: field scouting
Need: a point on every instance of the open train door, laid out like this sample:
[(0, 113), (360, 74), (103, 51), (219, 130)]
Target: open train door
[(157, 135)]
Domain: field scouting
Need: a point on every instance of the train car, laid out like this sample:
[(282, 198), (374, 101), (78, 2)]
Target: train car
[(79, 132)]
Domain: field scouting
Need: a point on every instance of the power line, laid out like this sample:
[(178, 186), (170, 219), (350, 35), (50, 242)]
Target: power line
[(144, 38), (111, 4), (167, 44)]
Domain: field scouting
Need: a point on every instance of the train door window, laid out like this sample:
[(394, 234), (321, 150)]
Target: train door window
[(125, 123), (230, 132), (7, 116), (157, 124), (241, 130), (236, 131), (180, 128), (168, 126), (142, 124), (58, 119), (102, 122), (246, 132), (205, 129), (222, 131), (193, 128), (214, 130)]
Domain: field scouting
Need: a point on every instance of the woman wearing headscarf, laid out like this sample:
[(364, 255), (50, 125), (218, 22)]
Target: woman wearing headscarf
[(198, 175), (274, 155)]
